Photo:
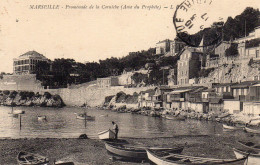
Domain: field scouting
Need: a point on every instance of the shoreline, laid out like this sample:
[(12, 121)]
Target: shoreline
[(92, 151)]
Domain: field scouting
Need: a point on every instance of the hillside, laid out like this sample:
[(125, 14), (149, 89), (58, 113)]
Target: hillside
[(232, 73)]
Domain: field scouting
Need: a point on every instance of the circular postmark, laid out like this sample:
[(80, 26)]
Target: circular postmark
[(195, 20)]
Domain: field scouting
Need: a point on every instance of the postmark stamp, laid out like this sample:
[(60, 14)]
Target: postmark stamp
[(194, 20)]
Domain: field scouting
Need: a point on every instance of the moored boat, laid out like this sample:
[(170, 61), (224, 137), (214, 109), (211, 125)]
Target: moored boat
[(250, 145), (166, 158), (253, 157), (169, 117), (252, 130), (84, 117), (63, 163), (26, 158), (42, 117), (107, 134), (228, 127), (18, 111), (133, 152)]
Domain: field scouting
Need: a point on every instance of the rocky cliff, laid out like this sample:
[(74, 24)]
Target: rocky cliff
[(234, 72)]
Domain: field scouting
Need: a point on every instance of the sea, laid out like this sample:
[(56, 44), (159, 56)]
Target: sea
[(62, 123)]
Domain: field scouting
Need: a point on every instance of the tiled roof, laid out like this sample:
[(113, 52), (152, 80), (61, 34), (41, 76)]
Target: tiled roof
[(223, 85), (244, 84), (32, 54), (166, 40)]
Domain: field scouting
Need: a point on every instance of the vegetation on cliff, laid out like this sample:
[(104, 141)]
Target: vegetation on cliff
[(67, 71)]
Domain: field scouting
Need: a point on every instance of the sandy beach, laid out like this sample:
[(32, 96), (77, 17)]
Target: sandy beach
[(93, 152)]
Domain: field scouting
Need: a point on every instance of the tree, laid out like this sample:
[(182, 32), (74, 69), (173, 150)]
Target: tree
[(232, 50)]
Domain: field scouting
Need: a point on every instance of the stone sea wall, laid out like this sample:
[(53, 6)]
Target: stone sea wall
[(91, 95)]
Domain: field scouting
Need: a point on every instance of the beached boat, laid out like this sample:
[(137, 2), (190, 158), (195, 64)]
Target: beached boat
[(166, 158), (228, 127), (63, 163), (133, 152), (84, 116), (169, 117), (253, 157), (107, 134), (252, 130), (250, 145), (26, 158)]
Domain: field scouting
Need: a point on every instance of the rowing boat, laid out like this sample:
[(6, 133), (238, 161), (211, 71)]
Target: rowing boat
[(41, 117), (107, 134), (166, 158), (250, 145), (174, 117), (84, 117), (230, 127), (63, 163), (253, 157), (252, 130), (133, 152), (26, 158)]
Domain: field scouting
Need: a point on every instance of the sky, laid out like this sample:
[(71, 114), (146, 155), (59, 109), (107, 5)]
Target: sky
[(94, 34)]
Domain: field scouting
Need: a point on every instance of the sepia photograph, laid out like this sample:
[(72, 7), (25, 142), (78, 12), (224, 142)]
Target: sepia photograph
[(111, 82)]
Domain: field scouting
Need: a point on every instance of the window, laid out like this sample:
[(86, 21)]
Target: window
[(257, 53), (242, 91)]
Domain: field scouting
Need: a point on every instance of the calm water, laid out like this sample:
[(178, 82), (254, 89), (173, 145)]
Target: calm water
[(63, 123)]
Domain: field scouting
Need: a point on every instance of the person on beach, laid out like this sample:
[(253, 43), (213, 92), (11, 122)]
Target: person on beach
[(115, 128)]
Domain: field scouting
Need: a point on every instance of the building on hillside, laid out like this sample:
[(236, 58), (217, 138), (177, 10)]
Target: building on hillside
[(252, 35), (221, 49), (251, 108), (241, 90), (163, 47), (224, 89), (107, 82), (26, 63), (212, 61), (188, 65), (184, 98), (249, 49), (147, 99), (172, 77), (233, 106), (176, 46), (254, 93)]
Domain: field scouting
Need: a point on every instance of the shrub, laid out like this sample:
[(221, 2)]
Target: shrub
[(47, 95), (232, 50)]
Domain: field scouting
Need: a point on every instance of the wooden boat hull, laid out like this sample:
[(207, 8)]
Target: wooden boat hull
[(174, 118), (63, 163), (128, 153), (252, 130), (41, 117), (108, 134), (26, 158), (134, 153), (84, 117), (249, 147), (175, 159), (230, 127), (253, 159), (18, 112)]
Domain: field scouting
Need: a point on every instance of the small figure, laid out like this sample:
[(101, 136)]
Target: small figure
[(115, 128)]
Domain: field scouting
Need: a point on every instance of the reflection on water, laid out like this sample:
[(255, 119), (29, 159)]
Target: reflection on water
[(63, 123)]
